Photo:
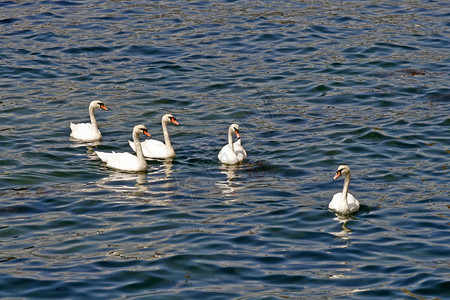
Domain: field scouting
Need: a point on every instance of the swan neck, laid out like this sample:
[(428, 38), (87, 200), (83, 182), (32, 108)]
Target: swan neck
[(91, 114), (139, 153), (230, 138), (345, 189), (166, 135)]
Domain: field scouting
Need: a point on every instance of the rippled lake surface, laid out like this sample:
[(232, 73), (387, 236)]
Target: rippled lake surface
[(312, 85)]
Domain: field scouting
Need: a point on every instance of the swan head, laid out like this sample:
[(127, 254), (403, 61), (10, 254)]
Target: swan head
[(141, 129), (341, 170), (98, 104), (169, 118), (235, 128)]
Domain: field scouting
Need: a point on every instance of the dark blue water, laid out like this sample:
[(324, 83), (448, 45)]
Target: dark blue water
[(312, 85)]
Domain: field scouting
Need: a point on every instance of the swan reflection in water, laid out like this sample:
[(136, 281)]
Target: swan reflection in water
[(345, 232), (153, 186), (89, 145), (168, 164), (229, 186), (129, 184)]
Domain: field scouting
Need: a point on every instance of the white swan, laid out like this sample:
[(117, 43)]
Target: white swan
[(344, 203), (127, 161), (232, 153), (88, 132), (157, 149)]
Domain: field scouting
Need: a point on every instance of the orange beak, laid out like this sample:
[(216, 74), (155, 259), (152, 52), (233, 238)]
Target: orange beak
[(146, 133), (237, 133), (336, 176), (174, 121), (102, 106)]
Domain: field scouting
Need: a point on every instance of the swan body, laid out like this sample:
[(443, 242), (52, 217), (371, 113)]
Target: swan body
[(88, 132), (344, 202), (232, 153), (157, 149), (127, 161)]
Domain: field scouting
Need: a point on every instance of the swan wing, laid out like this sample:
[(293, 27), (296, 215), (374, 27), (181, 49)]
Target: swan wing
[(334, 204), (240, 152), (153, 149), (131, 143), (85, 132), (353, 204), (337, 206), (121, 161), (227, 156)]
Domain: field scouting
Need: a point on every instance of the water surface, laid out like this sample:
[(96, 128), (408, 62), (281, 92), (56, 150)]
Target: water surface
[(312, 85)]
